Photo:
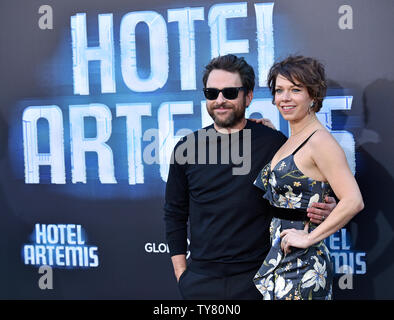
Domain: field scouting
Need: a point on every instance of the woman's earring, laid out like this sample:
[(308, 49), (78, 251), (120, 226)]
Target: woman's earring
[(310, 107)]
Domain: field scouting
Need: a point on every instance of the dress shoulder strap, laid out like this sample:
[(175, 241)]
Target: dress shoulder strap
[(302, 144)]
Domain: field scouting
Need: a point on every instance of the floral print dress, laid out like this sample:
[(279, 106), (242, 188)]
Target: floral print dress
[(302, 273)]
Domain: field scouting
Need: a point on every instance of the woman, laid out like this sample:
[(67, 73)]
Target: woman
[(309, 167)]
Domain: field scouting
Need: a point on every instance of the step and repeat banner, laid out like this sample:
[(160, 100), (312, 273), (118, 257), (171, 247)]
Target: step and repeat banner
[(95, 94)]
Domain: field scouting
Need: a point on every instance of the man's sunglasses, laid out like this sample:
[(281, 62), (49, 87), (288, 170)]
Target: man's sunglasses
[(228, 93)]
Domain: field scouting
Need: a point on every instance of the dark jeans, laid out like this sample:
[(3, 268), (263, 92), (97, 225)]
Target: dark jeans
[(195, 286)]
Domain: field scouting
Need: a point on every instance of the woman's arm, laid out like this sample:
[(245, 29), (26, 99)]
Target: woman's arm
[(330, 159)]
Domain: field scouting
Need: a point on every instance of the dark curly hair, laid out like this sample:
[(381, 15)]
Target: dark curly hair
[(232, 63), (308, 71)]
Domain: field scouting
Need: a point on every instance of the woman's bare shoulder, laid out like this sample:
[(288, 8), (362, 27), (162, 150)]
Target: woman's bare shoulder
[(322, 136), (323, 142)]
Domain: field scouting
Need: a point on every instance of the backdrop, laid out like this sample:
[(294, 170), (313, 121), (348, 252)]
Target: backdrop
[(94, 95)]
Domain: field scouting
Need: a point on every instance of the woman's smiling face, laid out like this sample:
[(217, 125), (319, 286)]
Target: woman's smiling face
[(291, 99)]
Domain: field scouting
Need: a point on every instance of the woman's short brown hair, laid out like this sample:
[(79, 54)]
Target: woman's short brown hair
[(308, 71)]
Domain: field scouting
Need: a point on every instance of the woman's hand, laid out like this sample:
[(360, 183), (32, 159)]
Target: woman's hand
[(295, 238)]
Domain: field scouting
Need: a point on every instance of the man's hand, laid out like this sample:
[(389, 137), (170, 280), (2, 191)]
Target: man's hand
[(264, 121), (178, 274), (319, 211), (179, 264)]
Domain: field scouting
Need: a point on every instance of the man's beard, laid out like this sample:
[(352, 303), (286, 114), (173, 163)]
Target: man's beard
[(232, 120)]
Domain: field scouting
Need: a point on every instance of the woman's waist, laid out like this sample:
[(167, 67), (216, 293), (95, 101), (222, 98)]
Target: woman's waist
[(293, 214)]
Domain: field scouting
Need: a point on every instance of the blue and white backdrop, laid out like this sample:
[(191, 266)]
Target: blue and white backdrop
[(94, 95)]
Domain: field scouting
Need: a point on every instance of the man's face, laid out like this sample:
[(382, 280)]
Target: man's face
[(227, 113)]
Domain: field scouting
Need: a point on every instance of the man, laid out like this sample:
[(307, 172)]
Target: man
[(229, 220)]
